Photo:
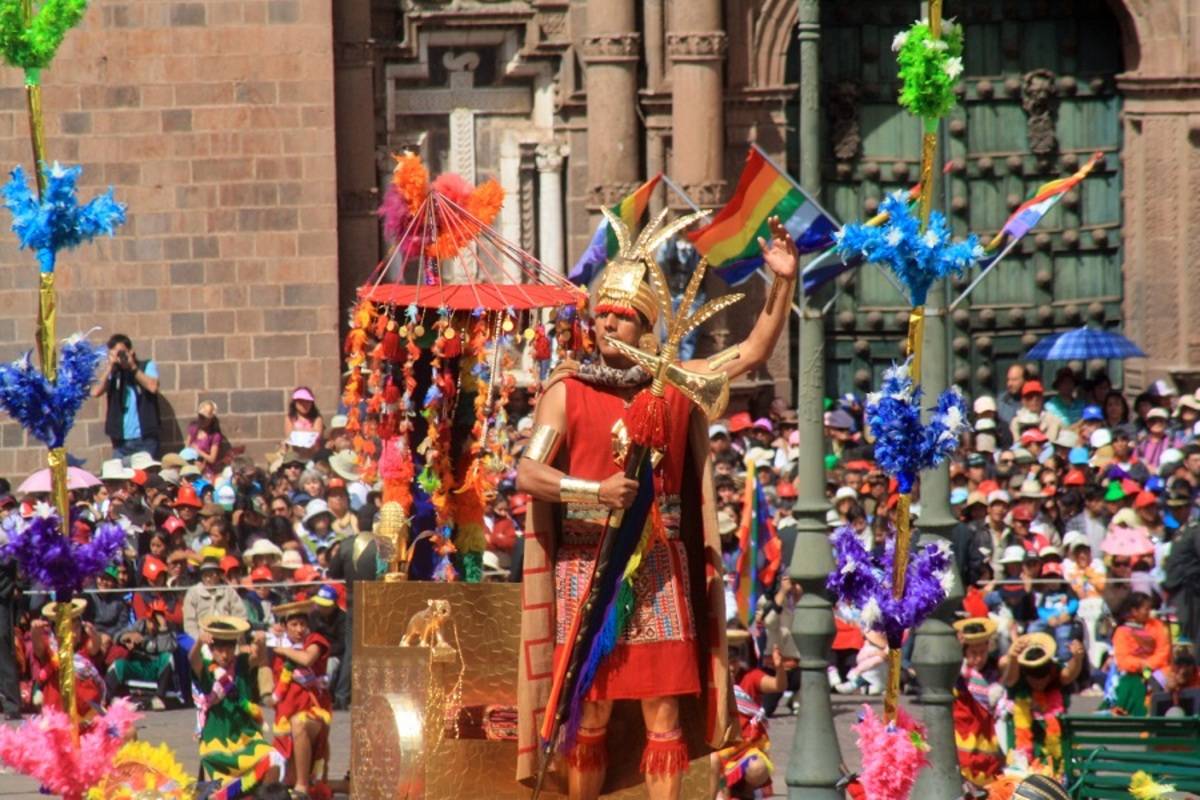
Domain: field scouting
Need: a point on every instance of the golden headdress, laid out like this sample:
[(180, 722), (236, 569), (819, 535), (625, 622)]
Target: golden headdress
[(623, 286)]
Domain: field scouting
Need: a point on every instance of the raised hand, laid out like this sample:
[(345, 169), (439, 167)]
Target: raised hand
[(779, 254)]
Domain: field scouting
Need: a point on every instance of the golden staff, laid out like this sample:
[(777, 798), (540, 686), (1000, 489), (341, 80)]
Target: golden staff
[(915, 344), (47, 339)]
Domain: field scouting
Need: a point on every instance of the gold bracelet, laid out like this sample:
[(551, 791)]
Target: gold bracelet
[(726, 356), (541, 445), (577, 490)]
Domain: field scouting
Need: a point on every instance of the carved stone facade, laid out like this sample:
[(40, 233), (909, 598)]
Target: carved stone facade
[(633, 87)]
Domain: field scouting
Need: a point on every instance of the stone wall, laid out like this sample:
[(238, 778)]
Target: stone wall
[(214, 122)]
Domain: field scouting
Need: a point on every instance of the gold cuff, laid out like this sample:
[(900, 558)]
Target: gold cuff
[(576, 490), (542, 445), (726, 356)]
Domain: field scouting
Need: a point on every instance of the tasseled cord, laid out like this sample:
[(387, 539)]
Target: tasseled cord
[(646, 420)]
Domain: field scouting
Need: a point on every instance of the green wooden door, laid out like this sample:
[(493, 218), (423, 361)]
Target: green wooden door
[(1038, 98)]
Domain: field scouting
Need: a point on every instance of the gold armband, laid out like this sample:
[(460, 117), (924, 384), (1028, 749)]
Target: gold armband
[(542, 444), (576, 490), (726, 356)]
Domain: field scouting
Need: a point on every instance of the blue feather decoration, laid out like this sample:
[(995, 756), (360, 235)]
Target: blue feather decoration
[(903, 445), (917, 258), (48, 411), (57, 221)]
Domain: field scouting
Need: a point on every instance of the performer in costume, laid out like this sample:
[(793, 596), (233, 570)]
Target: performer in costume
[(574, 470), (90, 688), (303, 704), (232, 748), (1037, 690), (978, 695)]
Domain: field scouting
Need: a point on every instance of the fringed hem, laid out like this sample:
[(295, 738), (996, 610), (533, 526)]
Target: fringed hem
[(664, 757), (590, 753)]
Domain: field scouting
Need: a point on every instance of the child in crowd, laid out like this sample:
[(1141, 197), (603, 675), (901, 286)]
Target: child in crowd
[(1056, 608), (205, 438), (1141, 645)]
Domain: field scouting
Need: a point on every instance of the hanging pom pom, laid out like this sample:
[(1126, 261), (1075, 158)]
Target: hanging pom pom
[(646, 420)]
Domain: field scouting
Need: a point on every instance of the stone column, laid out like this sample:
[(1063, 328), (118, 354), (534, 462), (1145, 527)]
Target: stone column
[(549, 159), (610, 50), (1160, 163), (937, 655), (814, 766), (696, 45)]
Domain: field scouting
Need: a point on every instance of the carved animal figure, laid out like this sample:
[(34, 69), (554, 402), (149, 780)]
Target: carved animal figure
[(425, 627)]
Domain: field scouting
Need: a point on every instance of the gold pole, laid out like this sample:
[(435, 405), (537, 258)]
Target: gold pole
[(37, 128), (47, 339), (915, 342), (65, 633)]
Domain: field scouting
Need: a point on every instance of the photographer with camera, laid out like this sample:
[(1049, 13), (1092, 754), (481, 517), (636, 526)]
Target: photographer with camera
[(131, 387)]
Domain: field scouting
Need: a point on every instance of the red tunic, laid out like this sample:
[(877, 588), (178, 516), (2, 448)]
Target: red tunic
[(656, 654)]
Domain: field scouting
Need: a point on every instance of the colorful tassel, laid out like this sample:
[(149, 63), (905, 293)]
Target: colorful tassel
[(647, 422)]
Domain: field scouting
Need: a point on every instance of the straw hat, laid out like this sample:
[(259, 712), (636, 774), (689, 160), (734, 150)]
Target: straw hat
[(1040, 787), (285, 610), (78, 604), (223, 628), (976, 630), (1039, 650)]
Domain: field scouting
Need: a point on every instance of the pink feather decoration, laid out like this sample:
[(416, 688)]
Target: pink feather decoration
[(453, 187), (43, 748), (395, 213), (893, 755)]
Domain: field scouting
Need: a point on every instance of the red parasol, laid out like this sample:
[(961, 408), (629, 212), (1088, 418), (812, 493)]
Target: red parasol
[(444, 244), (472, 296)]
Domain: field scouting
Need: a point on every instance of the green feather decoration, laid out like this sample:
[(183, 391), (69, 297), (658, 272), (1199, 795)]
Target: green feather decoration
[(30, 44), (929, 69)]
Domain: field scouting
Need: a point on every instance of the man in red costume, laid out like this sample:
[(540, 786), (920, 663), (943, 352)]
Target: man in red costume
[(670, 657)]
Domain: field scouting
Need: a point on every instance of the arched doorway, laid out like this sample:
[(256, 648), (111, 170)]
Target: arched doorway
[(1040, 96)]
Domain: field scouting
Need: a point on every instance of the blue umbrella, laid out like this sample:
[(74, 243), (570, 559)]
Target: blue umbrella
[(1084, 343)]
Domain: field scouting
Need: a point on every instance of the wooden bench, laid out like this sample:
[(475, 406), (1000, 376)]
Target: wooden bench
[(1101, 753)]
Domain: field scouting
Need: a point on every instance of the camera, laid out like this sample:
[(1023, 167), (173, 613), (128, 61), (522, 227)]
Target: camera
[(123, 357)]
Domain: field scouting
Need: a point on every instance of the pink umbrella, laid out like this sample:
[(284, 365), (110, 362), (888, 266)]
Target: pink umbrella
[(39, 482), (1132, 542)]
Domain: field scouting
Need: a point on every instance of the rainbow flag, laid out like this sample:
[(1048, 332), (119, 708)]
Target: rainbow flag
[(1030, 213), (760, 551), (730, 241), (604, 244)]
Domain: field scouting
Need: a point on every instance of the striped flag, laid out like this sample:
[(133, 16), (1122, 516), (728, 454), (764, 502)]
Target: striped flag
[(759, 549), (1030, 213), (604, 245), (730, 240)]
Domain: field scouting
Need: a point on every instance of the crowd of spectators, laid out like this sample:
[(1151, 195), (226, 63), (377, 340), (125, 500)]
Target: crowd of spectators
[(1075, 525)]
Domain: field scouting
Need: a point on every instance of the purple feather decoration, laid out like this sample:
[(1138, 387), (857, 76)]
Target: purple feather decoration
[(903, 444), (864, 582), (57, 562)]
